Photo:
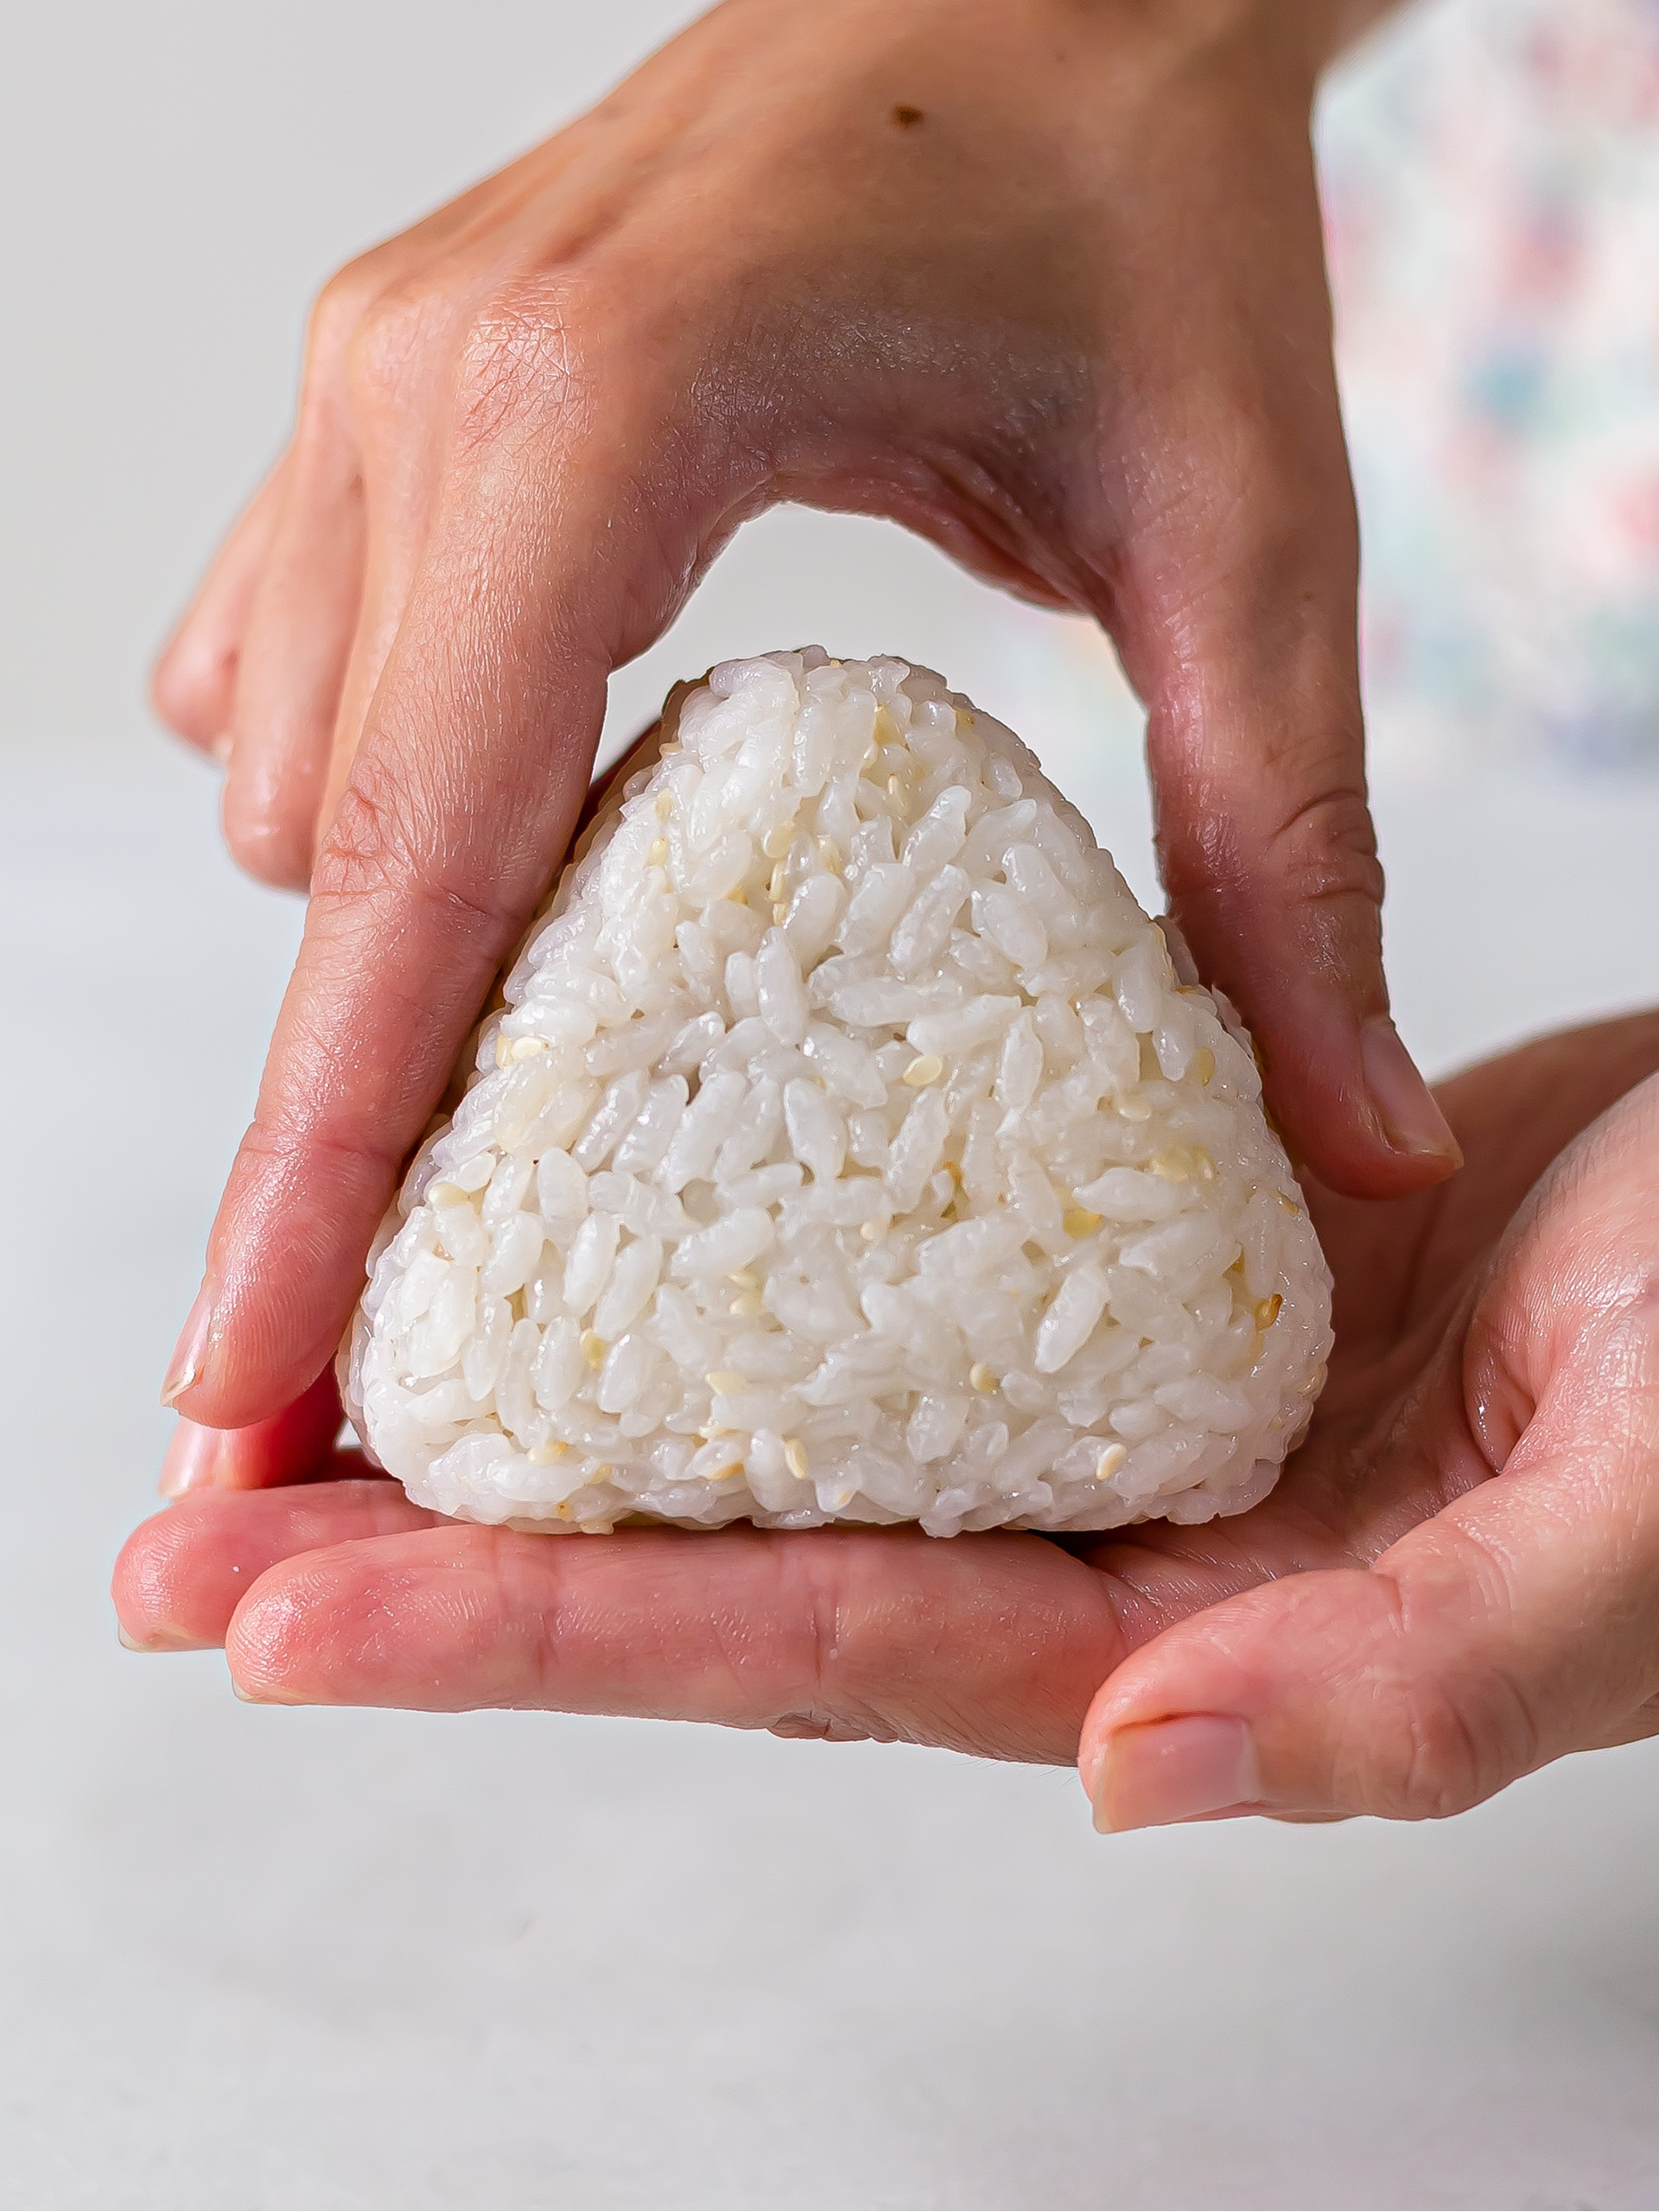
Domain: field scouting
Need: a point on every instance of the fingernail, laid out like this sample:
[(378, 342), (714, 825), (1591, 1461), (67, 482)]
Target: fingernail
[(190, 1353), (127, 1642), (192, 1458), (1402, 1102), (1167, 1770)]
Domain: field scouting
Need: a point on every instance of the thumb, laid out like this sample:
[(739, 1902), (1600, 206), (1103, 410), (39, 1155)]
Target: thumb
[(1520, 1624)]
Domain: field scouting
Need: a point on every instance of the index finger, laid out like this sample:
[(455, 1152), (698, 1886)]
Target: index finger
[(464, 790)]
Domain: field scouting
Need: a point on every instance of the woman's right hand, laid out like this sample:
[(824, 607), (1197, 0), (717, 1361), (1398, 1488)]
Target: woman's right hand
[(1044, 282)]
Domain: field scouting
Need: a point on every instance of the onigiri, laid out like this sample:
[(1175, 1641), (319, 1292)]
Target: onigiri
[(846, 1147)]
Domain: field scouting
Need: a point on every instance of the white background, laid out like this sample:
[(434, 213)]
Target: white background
[(260, 1957)]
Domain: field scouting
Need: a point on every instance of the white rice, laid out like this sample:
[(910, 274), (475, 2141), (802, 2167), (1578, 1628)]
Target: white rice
[(848, 1149)]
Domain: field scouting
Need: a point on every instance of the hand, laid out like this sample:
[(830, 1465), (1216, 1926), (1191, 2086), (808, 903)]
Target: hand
[(954, 263), (1456, 1580)]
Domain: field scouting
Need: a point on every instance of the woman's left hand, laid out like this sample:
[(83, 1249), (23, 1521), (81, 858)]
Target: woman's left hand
[(1456, 1581)]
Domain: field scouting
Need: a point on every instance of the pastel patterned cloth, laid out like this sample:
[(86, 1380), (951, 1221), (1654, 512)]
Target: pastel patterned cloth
[(1491, 170)]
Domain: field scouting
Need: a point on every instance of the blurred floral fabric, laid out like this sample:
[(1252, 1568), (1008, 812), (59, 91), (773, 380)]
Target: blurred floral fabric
[(1491, 170)]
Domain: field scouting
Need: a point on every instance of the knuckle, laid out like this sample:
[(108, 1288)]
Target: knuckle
[(1452, 1737), (824, 1702), (523, 356), (383, 851), (339, 307), (392, 331), (1326, 849)]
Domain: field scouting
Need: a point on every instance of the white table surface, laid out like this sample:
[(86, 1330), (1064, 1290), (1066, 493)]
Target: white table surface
[(254, 1957)]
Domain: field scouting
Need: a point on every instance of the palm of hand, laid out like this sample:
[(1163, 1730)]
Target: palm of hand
[(997, 1644)]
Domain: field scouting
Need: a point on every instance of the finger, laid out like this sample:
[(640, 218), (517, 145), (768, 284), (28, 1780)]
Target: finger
[(193, 687), (471, 772), (181, 1575), (299, 635), (1518, 1624), (1234, 604), (295, 1445), (985, 1643)]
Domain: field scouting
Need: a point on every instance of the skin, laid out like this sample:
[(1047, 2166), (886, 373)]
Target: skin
[(1454, 1583), (954, 264)]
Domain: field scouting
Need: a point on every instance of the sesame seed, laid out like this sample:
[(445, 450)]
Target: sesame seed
[(664, 806), (544, 1455), (596, 1527), (981, 1377), (869, 1231), (1079, 1222), (1203, 1063), (778, 840), (1288, 1203), (749, 1308), (780, 914), (830, 854), (775, 888), (658, 852), (593, 1348), (925, 1068), (526, 1048), (795, 1458), (725, 1380), (744, 1278), (1265, 1311), (1109, 1462), (447, 1194), (724, 1474), (503, 1050)]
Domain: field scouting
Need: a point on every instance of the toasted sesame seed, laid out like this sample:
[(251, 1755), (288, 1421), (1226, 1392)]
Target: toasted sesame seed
[(724, 1474), (1288, 1203), (658, 853), (749, 1308), (925, 1068), (503, 1050), (795, 1458), (544, 1455), (1079, 1222), (445, 1194), (830, 854), (664, 805), (1110, 1460), (981, 1377), (744, 1278), (739, 896), (779, 913), (725, 1380), (526, 1048), (596, 1527), (1173, 1166), (778, 840), (1203, 1063), (1265, 1311), (775, 888), (593, 1348), (869, 1231)]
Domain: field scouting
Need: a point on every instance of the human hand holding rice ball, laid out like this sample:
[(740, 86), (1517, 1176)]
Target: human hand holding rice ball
[(953, 263), (1391, 1630)]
